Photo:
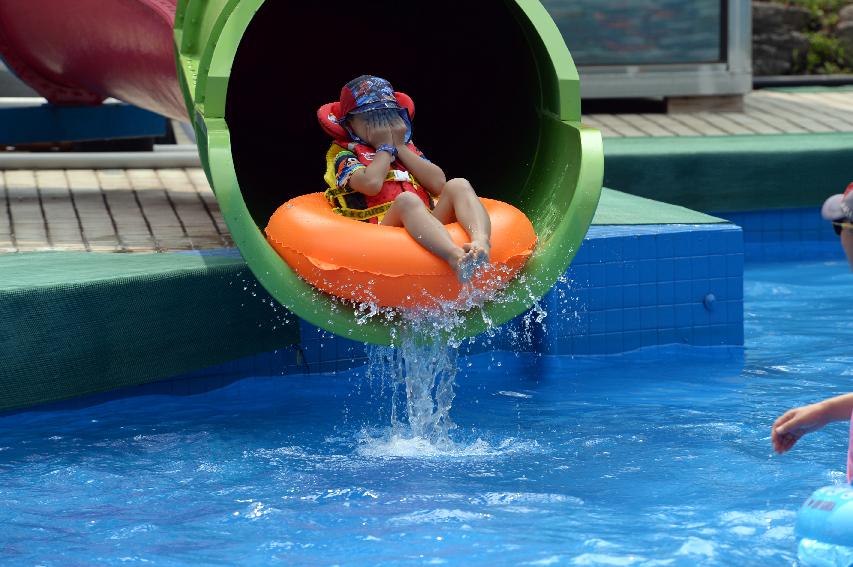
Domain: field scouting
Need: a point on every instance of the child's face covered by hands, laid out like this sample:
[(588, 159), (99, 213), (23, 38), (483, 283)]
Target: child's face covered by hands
[(379, 127)]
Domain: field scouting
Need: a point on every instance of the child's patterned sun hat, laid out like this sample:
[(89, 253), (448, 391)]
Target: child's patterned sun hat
[(367, 93), (363, 94)]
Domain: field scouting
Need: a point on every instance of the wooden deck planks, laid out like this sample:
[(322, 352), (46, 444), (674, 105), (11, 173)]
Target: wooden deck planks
[(766, 112), (175, 209)]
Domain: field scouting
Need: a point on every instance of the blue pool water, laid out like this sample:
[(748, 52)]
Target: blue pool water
[(659, 457)]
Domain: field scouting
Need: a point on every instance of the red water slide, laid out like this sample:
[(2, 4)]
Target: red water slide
[(83, 51)]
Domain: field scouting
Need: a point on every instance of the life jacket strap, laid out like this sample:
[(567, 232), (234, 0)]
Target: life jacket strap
[(364, 214)]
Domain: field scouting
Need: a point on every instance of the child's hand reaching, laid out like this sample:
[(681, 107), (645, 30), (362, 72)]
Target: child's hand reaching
[(797, 422)]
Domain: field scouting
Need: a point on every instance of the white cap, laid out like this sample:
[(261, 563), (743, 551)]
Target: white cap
[(839, 206)]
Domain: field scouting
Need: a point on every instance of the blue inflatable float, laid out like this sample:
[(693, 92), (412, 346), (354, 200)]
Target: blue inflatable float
[(825, 524)]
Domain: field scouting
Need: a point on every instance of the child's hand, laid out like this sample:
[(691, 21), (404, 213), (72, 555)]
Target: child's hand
[(795, 423), (398, 131), (381, 137)]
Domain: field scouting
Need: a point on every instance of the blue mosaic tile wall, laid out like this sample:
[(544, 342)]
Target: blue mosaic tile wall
[(321, 351), (638, 286), (271, 365), (628, 287), (786, 234)]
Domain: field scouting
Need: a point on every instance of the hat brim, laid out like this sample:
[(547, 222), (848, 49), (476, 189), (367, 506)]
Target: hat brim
[(329, 115), (375, 106)]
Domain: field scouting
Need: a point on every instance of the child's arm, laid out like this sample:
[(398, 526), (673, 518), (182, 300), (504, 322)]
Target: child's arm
[(370, 179), (797, 422), (427, 173)]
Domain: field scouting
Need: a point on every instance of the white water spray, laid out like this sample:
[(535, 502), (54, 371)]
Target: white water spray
[(421, 373), (421, 367)]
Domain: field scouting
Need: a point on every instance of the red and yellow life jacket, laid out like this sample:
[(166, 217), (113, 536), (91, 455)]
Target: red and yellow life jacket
[(352, 204)]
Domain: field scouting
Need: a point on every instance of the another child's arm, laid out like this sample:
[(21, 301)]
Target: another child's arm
[(797, 422)]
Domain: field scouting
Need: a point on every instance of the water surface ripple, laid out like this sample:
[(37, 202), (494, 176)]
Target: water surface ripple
[(660, 457)]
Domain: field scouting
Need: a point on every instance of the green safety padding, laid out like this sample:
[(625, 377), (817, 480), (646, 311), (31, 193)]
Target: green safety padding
[(52, 269), (616, 207), (73, 324), (732, 173)]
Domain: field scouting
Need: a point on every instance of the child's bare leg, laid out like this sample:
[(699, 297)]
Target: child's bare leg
[(847, 244), (409, 212), (459, 202)]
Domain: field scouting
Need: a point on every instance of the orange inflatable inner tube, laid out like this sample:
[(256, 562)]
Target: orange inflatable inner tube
[(384, 265)]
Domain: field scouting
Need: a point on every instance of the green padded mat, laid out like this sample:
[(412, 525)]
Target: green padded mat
[(79, 323), (616, 207), (24, 271), (732, 173)]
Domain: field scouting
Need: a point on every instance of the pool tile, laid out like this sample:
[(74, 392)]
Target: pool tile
[(631, 319), (683, 315), (630, 296), (665, 270), (597, 299), (613, 321), (632, 340), (682, 291), (597, 322), (648, 271), (699, 267), (597, 344), (666, 316), (614, 273), (631, 272), (648, 294), (649, 318), (647, 248), (666, 293), (613, 297)]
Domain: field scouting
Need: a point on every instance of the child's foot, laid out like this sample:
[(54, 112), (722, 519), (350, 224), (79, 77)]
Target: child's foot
[(481, 248), (465, 266)]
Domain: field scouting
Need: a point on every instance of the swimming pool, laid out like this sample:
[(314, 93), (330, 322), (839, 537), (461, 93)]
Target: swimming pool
[(657, 457)]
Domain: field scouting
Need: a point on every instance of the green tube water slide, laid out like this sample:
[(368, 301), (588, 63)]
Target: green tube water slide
[(498, 102)]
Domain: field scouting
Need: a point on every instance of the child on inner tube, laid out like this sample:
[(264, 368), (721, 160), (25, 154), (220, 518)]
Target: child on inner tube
[(376, 174)]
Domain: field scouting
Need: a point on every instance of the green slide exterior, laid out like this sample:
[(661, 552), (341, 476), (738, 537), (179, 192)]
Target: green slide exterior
[(561, 186)]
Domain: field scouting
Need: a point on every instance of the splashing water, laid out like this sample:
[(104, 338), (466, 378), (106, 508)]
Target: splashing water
[(421, 373), (420, 368)]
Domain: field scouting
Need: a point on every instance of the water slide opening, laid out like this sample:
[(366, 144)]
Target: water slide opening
[(467, 65)]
